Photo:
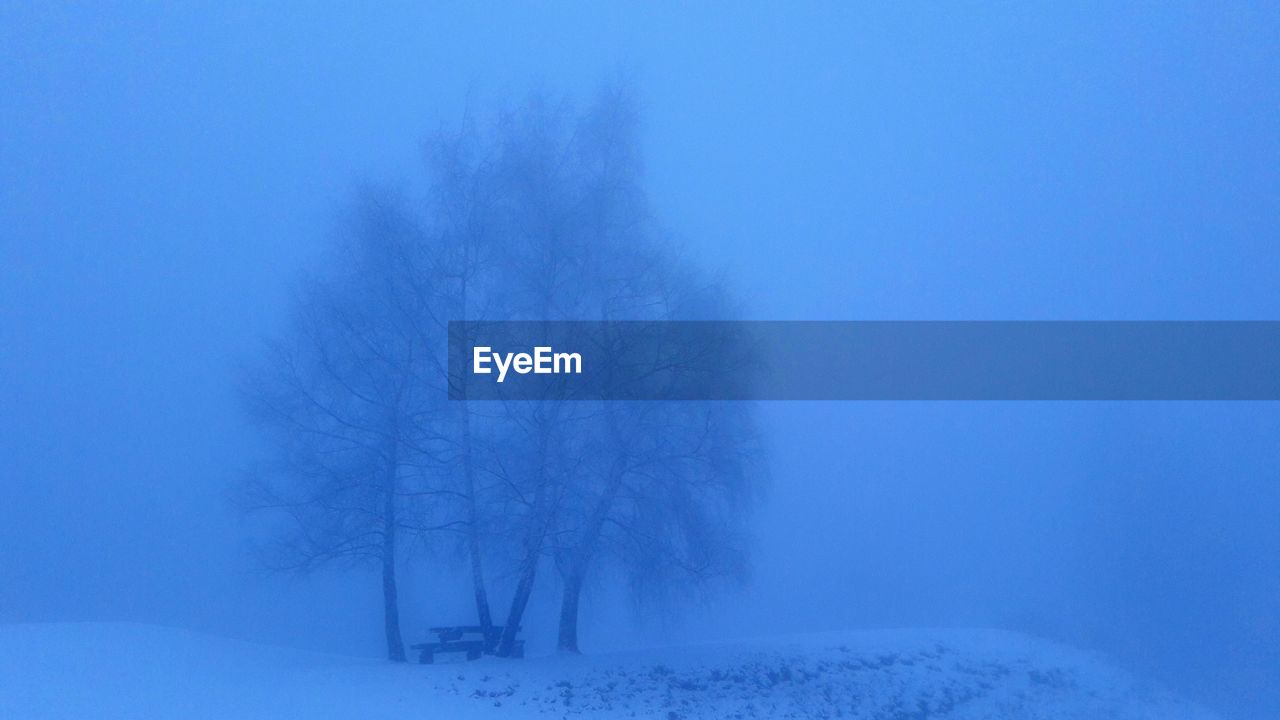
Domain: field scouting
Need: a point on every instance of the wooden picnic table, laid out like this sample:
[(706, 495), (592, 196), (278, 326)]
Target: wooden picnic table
[(470, 639)]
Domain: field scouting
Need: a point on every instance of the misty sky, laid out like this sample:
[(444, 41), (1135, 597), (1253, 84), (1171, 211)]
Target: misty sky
[(165, 173)]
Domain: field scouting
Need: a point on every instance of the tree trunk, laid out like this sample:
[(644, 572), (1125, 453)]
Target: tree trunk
[(477, 581), (391, 603), (469, 473), (473, 526), (528, 573), (390, 595), (580, 560), (540, 521), (568, 641), (524, 588)]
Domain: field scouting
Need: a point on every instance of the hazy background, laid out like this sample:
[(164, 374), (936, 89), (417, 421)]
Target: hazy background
[(164, 172)]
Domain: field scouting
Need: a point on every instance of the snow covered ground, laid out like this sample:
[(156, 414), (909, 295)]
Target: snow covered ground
[(111, 670)]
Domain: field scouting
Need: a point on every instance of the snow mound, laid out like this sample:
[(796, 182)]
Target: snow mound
[(125, 671), (886, 675), (107, 670)]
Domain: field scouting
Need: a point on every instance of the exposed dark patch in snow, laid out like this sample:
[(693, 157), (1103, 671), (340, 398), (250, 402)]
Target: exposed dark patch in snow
[(936, 680)]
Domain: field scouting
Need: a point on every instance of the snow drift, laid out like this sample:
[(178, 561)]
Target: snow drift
[(106, 670)]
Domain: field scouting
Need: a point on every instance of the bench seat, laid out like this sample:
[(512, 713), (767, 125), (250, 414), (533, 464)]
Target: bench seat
[(473, 648)]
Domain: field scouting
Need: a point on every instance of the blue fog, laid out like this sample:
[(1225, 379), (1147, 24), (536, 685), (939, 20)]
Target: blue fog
[(166, 172)]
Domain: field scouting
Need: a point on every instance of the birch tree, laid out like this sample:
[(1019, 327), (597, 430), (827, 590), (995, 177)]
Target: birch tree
[(341, 397)]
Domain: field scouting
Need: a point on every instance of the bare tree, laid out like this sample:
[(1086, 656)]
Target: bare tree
[(668, 495), (588, 478), (457, 284), (342, 397), (539, 216), (557, 172)]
